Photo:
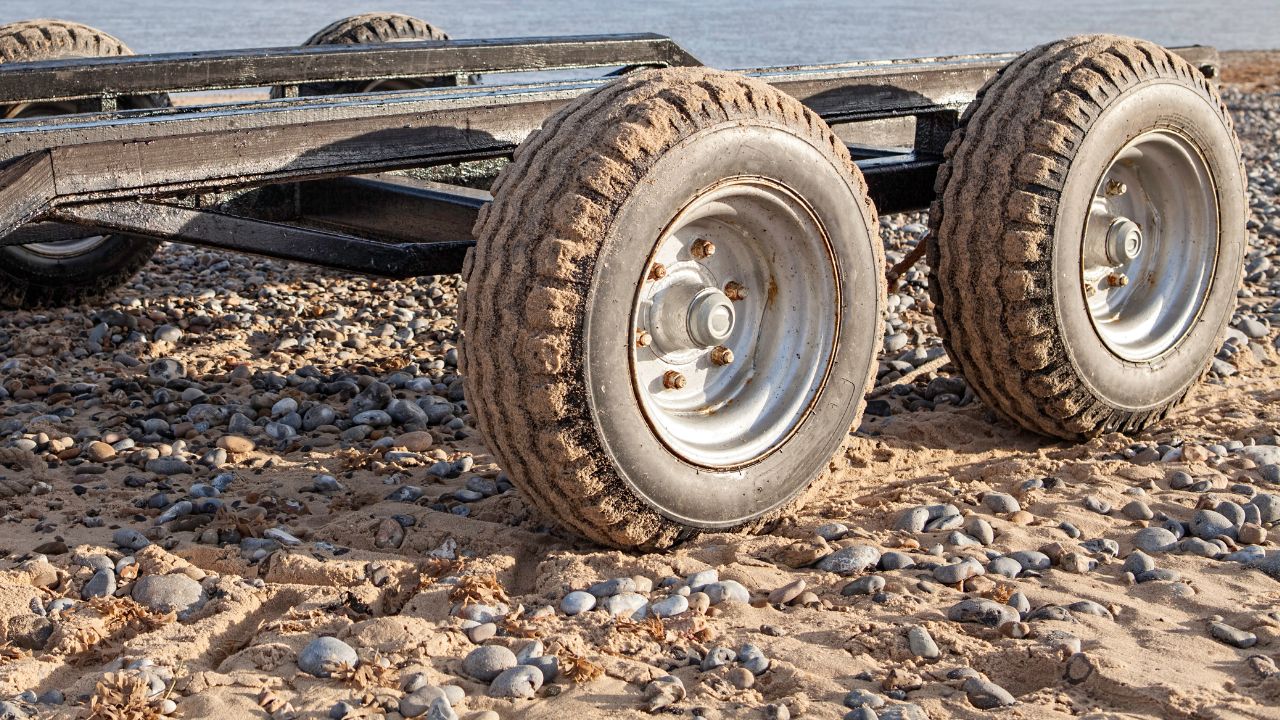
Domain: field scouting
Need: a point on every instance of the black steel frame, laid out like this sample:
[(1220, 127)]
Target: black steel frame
[(164, 172)]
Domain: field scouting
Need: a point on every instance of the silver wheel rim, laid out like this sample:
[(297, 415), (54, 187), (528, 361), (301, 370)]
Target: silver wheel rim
[(61, 249), (1150, 246), (732, 348)]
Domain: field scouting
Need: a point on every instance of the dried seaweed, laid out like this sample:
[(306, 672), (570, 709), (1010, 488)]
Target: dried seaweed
[(276, 706), (123, 696), (373, 674), (480, 589), (577, 668)]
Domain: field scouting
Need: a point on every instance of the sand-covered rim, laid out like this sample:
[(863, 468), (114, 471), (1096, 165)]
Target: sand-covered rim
[(384, 575)]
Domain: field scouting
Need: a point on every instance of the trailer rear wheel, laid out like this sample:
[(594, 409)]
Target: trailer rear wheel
[(372, 29), (673, 310), (83, 267), (1089, 236)]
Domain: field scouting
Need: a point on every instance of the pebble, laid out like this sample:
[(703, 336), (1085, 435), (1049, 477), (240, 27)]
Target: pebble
[(868, 585), (727, 591), (1209, 524), (1154, 540), (981, 611), (851, 560), (986, 695), (669, 606), (1137, 510), (663, 692), (922, 644), (1097, 504), (102, 584), (168, 593), (958, 572), (1232, 636), (577, 602), (1000, 503), (521, 681), (488, 662), (324, 655), (624, 604), (787, 593)]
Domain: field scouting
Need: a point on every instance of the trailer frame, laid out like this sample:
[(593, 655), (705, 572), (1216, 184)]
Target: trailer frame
[(316, 171)]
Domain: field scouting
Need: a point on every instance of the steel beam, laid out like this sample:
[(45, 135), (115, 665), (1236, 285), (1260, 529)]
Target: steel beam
[(216, 70), (276, 240)]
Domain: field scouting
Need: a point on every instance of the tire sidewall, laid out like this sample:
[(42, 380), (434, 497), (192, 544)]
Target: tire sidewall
[(114, 254), (1162, 104), (692, 495)]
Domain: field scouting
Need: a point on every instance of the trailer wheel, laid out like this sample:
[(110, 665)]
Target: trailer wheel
[(1089, 236), (82, 268), (372, 29), (674, 306)]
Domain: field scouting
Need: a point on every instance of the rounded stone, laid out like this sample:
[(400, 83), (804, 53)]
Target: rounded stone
[(577, 602), (488, 662), (324, 655), (168, 593), (522, 681)]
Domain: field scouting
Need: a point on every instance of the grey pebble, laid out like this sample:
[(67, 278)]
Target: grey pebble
[(851, 560), (868, 585), (986, 695), (168, 593), (922, 644), (488, 662), (324, 655), (521, 681)]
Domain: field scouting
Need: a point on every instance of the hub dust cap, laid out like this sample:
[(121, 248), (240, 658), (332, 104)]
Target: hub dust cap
[(733, 323)]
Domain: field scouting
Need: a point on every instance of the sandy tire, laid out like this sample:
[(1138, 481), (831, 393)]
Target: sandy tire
[(570, 398), (1088, 236), (371, 29), (75, 270)]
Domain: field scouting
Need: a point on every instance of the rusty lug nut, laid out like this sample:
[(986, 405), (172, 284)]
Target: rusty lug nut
[(702, 249), (643, 338), (721, 355), (673, 380), (1117, 280), (1115, 188), (658, 271), (735, 290)]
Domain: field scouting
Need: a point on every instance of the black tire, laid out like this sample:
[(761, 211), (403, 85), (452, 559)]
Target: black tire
[(554, 274), (371, 29), (1008, 226), (29, 278)]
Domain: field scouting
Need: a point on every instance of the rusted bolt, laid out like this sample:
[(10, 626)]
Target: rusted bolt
[(735, 291), (702, 249), (1115, 188), (721, 355), (1117, 280), (673, 380), (643, 338), (657, 271)]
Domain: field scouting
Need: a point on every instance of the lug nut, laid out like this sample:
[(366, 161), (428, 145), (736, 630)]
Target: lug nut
[(735, 291), (658, 271), (702, 249), (1115, 188), (1117, 280), (643, 339), (721, 355), (673, 380)]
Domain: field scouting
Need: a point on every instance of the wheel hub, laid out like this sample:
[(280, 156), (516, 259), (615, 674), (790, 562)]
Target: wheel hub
[(1124, 241), (733, 339), (1150, 241)]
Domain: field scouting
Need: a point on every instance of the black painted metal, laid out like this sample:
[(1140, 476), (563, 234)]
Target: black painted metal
[(221, 69), (277, 240)]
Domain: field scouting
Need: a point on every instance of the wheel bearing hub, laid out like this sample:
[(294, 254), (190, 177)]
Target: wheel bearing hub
[(1124, 241)]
